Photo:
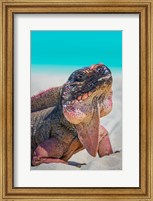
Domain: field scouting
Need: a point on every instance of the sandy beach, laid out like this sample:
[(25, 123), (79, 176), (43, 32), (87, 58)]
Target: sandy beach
[(112, 122)]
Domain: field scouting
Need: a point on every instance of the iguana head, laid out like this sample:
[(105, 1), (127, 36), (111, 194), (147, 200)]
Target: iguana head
[(87, 96)]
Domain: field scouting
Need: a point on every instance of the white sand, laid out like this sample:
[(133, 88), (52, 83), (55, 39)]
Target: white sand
[(112, 122)]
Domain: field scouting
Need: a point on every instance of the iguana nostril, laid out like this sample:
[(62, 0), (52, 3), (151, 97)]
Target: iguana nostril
[(106, 71)]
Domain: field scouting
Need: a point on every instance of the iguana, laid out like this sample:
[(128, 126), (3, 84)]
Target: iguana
[(66, 119)]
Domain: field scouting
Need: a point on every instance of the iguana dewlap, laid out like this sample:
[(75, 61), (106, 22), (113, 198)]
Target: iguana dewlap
[(66, 119)]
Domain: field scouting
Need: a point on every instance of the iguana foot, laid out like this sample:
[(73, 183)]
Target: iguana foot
[(37, 161), (76, 164)]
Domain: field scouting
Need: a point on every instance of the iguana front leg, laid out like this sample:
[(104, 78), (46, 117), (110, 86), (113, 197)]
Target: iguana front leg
[(55, 151), (105, 147), (49, 151)]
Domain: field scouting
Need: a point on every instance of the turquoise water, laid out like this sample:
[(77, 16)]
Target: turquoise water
[(65, 51)]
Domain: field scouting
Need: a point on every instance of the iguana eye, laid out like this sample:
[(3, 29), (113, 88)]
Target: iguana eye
[(79, 78), (98, 70)]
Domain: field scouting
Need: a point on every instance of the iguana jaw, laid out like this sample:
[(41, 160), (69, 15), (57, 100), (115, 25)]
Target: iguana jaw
[(82, 83), (77, 111), (77, 99)]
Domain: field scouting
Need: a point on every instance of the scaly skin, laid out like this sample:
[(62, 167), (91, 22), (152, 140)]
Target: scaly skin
[(66, 119)]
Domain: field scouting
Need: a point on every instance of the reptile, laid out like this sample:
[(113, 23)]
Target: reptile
[(66, 119)]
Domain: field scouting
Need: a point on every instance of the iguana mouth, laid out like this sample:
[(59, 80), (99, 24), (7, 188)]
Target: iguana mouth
[(86, 83)]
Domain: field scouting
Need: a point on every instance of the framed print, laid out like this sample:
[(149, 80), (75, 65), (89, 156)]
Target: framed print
[(76, 95)]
